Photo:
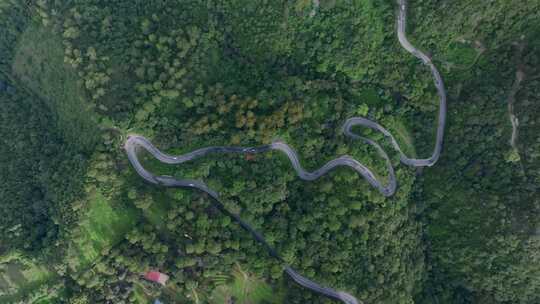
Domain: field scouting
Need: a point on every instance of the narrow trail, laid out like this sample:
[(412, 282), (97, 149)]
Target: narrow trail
[(516, 86), (135, 141)]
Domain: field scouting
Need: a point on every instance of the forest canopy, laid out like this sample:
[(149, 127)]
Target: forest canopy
[(79, 225)]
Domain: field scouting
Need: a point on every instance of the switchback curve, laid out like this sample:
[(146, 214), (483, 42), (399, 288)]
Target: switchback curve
[(135, 141)]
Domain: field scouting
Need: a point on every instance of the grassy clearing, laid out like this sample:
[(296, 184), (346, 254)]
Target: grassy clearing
[(39, 68), (18, 269), (24, 293), (14, 271), (39, 65), (102, 227), (19, 275), (243, 287)]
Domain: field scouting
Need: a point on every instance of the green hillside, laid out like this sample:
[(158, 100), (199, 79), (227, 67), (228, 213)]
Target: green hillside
[(79, 225)]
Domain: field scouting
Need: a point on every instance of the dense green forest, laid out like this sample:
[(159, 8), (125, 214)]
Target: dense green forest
[(78, 225)]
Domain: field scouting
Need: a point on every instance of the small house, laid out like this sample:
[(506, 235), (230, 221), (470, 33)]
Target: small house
[(156, 276)]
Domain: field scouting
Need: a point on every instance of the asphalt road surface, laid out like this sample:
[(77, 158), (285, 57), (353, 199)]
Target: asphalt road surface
[(136, 141)]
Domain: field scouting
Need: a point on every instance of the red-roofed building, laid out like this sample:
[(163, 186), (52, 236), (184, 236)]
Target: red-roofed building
[(156, 276)]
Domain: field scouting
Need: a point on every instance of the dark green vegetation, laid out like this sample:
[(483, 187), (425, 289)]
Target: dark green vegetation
[(83, 74), (46, 138)]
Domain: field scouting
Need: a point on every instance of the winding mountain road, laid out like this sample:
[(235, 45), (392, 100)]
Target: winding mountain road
[(135, 141)]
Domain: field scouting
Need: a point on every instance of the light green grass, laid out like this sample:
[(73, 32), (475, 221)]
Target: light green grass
[(36, 273), (243, 287), (14, 271), (39, 66), (5, 285), (101, 227), (19, 276), (20, 270)]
